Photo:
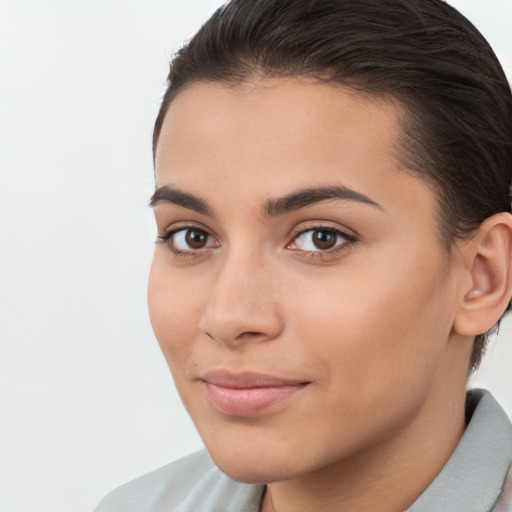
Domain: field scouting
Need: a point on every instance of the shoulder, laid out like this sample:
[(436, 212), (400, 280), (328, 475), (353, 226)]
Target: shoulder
[(171, 482), (182, 486)]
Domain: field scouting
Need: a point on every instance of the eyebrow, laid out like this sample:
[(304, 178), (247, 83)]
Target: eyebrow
[(273, 207), (309, 196), (174, 196)]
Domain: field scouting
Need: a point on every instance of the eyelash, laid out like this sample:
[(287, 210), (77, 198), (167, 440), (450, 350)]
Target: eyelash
[(349, 241)]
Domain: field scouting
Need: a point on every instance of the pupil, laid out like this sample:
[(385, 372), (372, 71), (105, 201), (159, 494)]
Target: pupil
[(324, 239), (196, 239)]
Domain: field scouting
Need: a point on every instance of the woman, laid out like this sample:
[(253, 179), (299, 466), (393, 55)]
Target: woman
[(332, 201)]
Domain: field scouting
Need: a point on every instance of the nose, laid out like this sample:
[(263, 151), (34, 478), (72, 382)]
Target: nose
[(242, 304)]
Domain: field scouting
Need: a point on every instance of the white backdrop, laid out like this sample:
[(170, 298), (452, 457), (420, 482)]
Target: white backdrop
[(86, 399)]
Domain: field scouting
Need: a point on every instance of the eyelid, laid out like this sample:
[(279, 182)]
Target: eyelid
[(320, 225), (183, 224)]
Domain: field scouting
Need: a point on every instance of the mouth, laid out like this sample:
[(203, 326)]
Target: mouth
[(248, 393)]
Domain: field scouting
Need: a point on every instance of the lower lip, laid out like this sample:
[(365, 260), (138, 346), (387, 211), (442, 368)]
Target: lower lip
[(248, 401)]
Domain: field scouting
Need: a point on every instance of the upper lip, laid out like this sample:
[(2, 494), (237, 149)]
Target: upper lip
[(247, 379)]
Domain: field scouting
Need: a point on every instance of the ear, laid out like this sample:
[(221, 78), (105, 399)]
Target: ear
[(487, 293)]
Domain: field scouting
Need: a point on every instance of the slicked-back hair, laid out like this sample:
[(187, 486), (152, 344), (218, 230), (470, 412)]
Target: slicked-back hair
[(456, 131)]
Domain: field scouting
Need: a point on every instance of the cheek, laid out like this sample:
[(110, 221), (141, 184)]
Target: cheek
[(379, 327), (174, 312)]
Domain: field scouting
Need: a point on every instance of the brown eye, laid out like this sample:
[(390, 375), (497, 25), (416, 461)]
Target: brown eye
[(195, 238), (324, 239), (317, 240), (188, 240)]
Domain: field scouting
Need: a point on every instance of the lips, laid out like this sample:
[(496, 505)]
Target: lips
[(247, 394)]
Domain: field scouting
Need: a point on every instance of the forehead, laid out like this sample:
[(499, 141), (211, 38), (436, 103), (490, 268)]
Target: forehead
[(294, 114), (264, 138)]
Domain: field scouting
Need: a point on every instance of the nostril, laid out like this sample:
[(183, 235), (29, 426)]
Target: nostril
[(250, 334), (242, 336)]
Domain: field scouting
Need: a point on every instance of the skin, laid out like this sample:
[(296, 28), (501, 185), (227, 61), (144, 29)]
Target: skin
[(369, 324)]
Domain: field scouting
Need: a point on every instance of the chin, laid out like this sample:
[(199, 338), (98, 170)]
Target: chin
[(253, 466), (250, 472)]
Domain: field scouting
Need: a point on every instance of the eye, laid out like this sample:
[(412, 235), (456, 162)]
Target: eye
[(184, 241), (320, 239)]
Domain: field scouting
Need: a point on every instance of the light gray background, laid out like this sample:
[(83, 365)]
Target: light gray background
[(86, 399)]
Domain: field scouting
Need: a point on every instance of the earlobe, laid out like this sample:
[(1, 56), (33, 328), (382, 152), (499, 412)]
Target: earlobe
[(489, 257)]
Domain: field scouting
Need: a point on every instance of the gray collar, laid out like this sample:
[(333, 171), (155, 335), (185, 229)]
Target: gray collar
[(473, 478)]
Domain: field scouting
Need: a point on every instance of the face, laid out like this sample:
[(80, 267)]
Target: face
[(299, 290)]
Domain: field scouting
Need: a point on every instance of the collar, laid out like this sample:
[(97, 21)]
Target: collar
[(474, 476)]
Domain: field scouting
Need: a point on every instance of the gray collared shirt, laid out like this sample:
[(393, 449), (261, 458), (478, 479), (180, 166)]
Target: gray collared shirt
[(477, 478)]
